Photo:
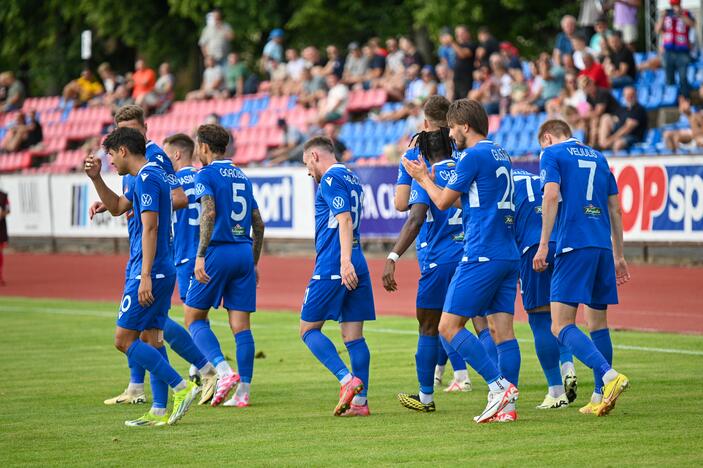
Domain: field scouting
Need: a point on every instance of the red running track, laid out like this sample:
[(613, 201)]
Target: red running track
[(658, 297)]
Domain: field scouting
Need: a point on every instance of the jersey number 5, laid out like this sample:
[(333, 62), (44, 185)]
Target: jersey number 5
[(239, 200)]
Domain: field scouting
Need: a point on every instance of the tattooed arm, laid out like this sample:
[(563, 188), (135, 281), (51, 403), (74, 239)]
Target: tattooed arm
[(207, 224), (257, 227)]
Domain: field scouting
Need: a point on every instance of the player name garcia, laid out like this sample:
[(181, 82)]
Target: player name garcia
[(231, 173)]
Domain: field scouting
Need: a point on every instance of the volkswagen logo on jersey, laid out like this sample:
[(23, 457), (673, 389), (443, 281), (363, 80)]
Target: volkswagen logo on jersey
[(146, 199), (338, 202), (413, 195), (171, 179), (199, 189)]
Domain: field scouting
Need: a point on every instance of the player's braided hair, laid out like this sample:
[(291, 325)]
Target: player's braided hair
[(434, 145)]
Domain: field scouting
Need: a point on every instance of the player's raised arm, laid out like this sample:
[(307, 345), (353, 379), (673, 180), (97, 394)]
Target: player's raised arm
[(257, 228), (346, 240), (115, 204), (411, 228), (444, 198), (207, 224)]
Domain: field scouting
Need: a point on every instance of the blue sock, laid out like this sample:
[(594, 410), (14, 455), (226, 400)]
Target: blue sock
[(245, 355), (471, 350), (546, 346), (150, 359), (360, 358), (159, 388), (206, 341), (583, 348), (509, 360), (425, 360), (182, 343), (601, 338), (458, 364), (441, 353), (565, 354), (489, 345), (325, 352), (136, 372)]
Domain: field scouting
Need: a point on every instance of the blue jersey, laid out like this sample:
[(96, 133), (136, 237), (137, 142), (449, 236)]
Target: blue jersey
[(151, 192), (339, 191), (444, 232), (405, 179), (585, 183), (483, 177), (234, 201), (186, 222), (528, 209)]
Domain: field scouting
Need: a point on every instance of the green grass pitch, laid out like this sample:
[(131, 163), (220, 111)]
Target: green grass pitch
[(58, 364)]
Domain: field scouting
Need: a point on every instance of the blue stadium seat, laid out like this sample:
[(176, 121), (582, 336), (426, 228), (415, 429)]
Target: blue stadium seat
[(506, 124), (670, 97)]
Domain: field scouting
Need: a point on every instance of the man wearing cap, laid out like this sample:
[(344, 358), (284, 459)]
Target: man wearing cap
[(273, 50), (675, 25)]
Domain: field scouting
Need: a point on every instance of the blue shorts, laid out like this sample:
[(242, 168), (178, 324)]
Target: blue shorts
[(232, 280), (184, 272), (433, 285), (331, 300), (483, 288), (585, 276), (534, 286), (133, 316)]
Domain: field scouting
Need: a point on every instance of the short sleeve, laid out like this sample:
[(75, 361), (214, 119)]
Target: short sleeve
[(612, 185), (403, 176), (335, 194), (203, 186), (464, 175), (549, 169), (148, 192), (128, 187), (418, 195)]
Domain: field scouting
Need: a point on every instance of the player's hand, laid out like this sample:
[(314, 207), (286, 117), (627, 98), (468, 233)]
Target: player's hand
[(622, 273), (349, 278), (146, 297), (417, 169), (389, 276), (95, 208), (199, 271), (92, 166), (539, 262)]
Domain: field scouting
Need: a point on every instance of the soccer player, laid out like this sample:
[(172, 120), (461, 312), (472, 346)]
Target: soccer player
[(534, 288), (226, 262), (147, 293), (581, 200), (444, 235), (485, 280), (340, 288)]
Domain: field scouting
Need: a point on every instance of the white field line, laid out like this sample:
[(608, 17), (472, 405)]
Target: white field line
[(371, 329)]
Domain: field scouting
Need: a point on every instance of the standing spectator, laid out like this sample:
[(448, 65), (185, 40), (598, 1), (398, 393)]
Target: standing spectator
[(334, 107), (394, 59), (598, 40), (465, 51), (294, 65), (144, 79), (273, 51), (594, 71), (15, 92), (355, 66), (674, 26), (445, 52), (625, 20), (487, 46), (602, 103), (216, 37), (161, 97), (578, 42), (562, 45), (410, 54), (510, 54), (622, 70), (236, 74), (212, 83), (590, 11), (621, 131), (4, 212), (335, 63)]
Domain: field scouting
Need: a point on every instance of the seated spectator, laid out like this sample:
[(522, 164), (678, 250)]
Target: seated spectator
[(335, 63), (341, 151), (520, 102), (273, 51), (410, 54), (444, 85), (488, 92), (121, 97), (578, 42), (82, 89), (144, 79), (620, 131), (510, 54), (24, 133), (292, 138), (690, 137), (503, 82), (552, 79), (377, 65), (622, 70), (236, 74), (14, 92), (311, 56), (562, 44), (278, 79), (598, 40), (160, 98), (294, 65), (487, 46), (355, 66), (574, 97), (594, 71), (394, 59), (212, 84), (602, 103), (334, 106), (312, 89), (111, 81), (423, 87)]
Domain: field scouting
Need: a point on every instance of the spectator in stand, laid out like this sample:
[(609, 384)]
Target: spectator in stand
[(552, 77), (621, 131), (122, 97), (510, 54), (621, 69), (414, 89), (562, 45), (689, 137), (334, 106), (625, 20), (590, 11), (602, 103), (311, 56), (674, 26), (355, 66), (487, 93), (111, 81), (377, 64), (598, 40), (216, 38), (578, 42), (520, 103), (273, 51), (335, 63), (428, 84), (160, 98), (487, 46), (312, 89), (444, 85), (571, 105), (4, 212), (331, 131), (292, 138), (236, 74), (394, 59), (82, 89), (23, 134), (144, 79), (212, 84), (410, 54), (503, 81), (294, 65), (463, 71), (445, 52), (14, 94), (595, 71)]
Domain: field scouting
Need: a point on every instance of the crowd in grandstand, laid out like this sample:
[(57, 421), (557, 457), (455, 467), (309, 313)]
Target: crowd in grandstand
[(593, 78)]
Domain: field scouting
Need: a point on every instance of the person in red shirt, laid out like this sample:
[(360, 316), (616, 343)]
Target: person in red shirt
[(594, 71), (144, 79)]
